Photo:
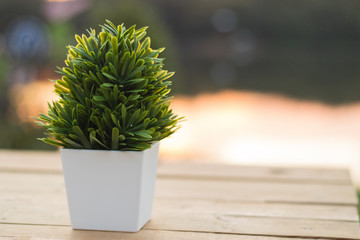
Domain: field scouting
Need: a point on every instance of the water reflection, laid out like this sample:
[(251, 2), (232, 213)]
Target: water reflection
[(264, 129)]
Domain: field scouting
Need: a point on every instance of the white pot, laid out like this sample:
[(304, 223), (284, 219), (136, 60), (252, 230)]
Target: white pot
[(110, 190)]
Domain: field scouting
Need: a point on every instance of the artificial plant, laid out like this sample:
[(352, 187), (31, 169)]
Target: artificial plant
[(114, 93)]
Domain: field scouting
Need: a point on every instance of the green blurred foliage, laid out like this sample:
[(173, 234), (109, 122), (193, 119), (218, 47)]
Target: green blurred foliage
[(305, 49), (21, 136), (61, 34), (4, 72), (358, 196), (11, 10), (301, 48)]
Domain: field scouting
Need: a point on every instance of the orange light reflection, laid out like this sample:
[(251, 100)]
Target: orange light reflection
[(31, 99), (244, 128), (264, 129)]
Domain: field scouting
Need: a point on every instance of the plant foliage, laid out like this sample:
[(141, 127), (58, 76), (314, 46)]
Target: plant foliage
[(114, 93)]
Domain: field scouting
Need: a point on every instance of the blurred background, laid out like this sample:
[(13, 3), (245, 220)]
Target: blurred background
[(260, 82)]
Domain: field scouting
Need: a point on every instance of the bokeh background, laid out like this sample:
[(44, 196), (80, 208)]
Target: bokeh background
[(260, 82)]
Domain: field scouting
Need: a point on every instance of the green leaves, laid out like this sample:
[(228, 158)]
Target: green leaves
[(85, 142), (115, 139), (114, 93), (144, 134)]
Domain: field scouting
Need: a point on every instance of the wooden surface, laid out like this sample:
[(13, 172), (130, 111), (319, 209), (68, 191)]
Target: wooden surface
[(192, 201)]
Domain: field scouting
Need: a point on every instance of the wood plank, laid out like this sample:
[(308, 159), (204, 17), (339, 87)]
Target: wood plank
[(276, 210), (256, 191), (236, 172), (38, 161), (221, 223), (34, 208), (12, 232), (237, 199), (40, 199), (49, 162), (213, 190)]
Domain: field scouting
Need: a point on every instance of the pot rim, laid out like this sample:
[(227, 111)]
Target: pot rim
[(104, 150)]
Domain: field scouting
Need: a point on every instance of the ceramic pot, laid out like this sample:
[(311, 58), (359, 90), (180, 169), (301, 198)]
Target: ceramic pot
[(110, 190)]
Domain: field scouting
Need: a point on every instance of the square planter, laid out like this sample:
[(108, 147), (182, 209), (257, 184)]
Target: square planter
[(110, 190)]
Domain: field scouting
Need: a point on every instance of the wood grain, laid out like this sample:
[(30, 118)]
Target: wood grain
[(40, 199), (221, 223), (16, 232), (192, 201), (262, 226), (213, 190), (49, 162), (30, 161), (256, 191), (276, 210), (243, 173), (33, 207)]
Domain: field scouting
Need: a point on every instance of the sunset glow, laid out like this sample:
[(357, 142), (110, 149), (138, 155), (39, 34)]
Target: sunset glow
[(244, 128), (264, 129), (31, 99)]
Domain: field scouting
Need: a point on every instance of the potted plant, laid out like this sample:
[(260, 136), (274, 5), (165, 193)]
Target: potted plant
[(113, 111)]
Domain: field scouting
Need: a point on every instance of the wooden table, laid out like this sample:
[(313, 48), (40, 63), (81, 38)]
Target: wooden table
[(193, 201)]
